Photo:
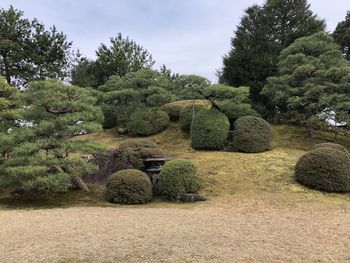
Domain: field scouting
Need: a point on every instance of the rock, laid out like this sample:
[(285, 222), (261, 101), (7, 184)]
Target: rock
[(122, 131), (190, 198)]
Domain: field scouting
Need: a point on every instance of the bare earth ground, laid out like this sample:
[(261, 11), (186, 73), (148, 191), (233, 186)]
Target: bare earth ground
[(256, 213), (237, 230)]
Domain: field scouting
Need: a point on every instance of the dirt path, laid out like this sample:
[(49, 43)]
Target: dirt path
[(238, 231)]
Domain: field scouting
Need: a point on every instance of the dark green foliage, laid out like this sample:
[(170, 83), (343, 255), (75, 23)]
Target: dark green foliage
[(118, 106), (331, 145), (341, 35), (264, 31), (129, 187), (251, 135), (187, 114), (85, 73), (30, 52), (187, 86), (178, 177), (235, 111), (209, 130), (173, 110), (131, 153), (147, 122), (41, 157), (325, 169), (122, 57), (155, 96), (313, 81)]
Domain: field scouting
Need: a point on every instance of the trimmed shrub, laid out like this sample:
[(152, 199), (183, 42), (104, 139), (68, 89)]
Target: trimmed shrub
[(186, 116), (173, 110), (209, 130), (147, 122), (129, 187), (331, 145), (235, 111), (131, 153), (251, 135), (178, 177), (155, 96), (325, 169)]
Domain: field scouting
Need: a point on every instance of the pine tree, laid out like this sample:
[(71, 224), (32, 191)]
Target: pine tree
[(263, 33), (313, 82), (52, 115), (341, 35)]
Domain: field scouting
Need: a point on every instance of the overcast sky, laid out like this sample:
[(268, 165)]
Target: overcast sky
[(188, 36)]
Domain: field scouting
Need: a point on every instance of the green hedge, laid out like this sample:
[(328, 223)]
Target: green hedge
[(186, 115), (235, 111), (209, 130), (324, 168), (148, 121), (131, 153), (178, 177), (331, 145), (129, 187), (173, 110), (251, 135)]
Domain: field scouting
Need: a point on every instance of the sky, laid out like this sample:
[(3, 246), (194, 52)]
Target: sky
[(188, 36)]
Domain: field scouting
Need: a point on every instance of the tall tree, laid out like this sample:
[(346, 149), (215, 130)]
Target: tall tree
[(28, 51), (263, 33), (341, 35), (122, 57), (312, 82), (54, 113)]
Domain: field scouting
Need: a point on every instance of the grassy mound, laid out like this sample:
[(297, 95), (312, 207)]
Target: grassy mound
[(129, 187), (209, 130), (251, 135), (324, 168)]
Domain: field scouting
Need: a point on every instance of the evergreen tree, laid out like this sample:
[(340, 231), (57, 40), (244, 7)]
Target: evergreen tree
[(30, 52), (53, 114), (341, 35), (263, 33), (313, 81)]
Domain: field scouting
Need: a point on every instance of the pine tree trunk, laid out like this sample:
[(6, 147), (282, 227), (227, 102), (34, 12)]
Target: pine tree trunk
[(309, 129)]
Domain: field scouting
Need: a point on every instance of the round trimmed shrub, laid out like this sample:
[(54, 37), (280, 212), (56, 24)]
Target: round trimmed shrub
[(235, 111), (173, 110), (178, 177), (129, 187), (331, 145), (325, 169), (147, 122), (209, 130), (186, 115), (131, 153), (251, 135)]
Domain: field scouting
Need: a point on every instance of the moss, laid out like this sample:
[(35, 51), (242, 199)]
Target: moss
[(178, 177), (129, 187), (147, 122), (209, 130), (324, 168), (251, 135), (131, 153)]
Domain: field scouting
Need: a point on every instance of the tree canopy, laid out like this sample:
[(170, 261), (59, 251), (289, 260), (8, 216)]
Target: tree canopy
[(341, 35), (264, 31), (28, 51), (313, 81)]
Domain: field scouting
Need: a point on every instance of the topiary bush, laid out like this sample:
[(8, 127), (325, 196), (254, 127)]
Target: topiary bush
[(251, 135), (324, 168), (332, 145), (235, 111), (186, 115), (148, 121), (129, 187), (131, 153), (173, 110), (178, 177), (209, 130)]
